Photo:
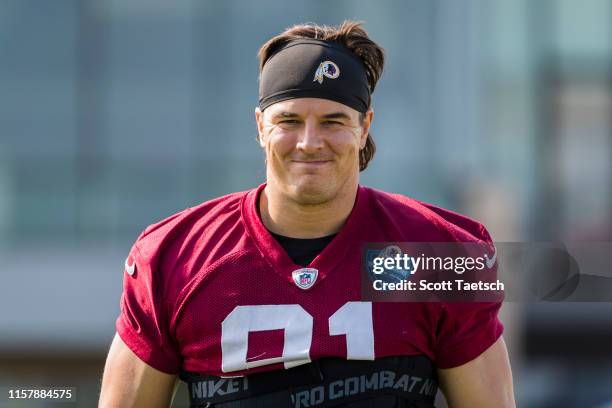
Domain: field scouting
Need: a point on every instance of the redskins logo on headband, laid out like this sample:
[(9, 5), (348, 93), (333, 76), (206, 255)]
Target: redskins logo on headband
[(328, 69), (288, 74)]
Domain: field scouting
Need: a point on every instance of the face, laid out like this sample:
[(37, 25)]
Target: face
[(312, 147)]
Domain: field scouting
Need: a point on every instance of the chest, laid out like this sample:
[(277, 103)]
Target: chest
[(244, 317)]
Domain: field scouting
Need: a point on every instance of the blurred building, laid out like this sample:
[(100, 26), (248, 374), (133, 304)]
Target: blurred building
[(114, 115)]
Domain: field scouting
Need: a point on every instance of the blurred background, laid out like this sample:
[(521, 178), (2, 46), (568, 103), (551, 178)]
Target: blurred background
[(115, 114)]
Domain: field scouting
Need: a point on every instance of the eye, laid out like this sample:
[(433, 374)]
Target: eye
[(288, 123), (331, 122)]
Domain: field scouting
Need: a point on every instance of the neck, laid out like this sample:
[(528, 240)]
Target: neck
[(287, 217)]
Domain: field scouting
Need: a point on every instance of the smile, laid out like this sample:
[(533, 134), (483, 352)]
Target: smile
[(312, 163)]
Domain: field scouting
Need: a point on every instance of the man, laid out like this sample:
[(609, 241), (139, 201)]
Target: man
[(254, 298)]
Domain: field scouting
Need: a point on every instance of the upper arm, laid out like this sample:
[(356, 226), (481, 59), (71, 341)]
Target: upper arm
[(129, 382), (485, 381)]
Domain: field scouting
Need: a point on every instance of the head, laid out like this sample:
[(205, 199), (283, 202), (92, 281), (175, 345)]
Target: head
[(316, 145)]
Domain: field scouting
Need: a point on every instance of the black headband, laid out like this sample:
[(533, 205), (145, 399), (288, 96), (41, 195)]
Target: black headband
[(309, 68)]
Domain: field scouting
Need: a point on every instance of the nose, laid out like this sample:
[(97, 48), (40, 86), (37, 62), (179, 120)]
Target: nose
[(310, 139)]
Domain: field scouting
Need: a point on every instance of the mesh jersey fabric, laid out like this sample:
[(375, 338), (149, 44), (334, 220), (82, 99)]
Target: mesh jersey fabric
[(198, 269)]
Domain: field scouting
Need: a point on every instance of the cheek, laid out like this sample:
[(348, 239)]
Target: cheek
[(280, 143), (344, 143)]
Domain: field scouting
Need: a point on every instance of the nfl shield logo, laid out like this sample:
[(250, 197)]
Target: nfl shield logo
[(304, 278)]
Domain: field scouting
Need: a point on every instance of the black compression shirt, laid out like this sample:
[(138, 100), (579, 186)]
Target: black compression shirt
[(303, 250)]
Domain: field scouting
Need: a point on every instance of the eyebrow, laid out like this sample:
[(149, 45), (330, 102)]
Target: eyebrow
[(284, 115), (291, 115), (337, 115)]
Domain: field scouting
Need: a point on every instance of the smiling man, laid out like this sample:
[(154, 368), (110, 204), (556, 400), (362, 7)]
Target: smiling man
[(312, 151), (254, 298)]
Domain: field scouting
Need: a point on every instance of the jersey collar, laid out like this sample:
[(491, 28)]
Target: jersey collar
[(349, 238)]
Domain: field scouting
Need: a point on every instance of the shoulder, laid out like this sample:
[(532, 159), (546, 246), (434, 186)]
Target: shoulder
[(209, 215), (171, 252), (429, 221)]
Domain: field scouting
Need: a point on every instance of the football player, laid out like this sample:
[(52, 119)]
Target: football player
[(254, 298)]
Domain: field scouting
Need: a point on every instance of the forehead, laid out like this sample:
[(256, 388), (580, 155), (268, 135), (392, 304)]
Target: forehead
[(310, 106)]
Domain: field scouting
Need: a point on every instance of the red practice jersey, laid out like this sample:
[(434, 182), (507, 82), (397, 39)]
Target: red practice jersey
[(210, 291)]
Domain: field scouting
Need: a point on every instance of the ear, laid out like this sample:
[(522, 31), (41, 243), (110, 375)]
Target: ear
[(367, 122), (260, 126)]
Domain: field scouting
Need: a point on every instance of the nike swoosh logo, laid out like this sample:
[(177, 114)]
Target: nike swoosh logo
[(130, 269), (491, 261)]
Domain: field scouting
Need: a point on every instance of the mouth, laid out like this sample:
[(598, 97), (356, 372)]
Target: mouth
[(311, 163)]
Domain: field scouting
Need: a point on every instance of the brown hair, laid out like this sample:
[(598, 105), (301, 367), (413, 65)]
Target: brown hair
[(352, 36)]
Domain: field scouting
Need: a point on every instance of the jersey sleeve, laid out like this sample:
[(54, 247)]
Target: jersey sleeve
[(143, 323), (467, 329)]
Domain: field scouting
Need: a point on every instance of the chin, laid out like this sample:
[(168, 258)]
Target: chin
[(314, 193)]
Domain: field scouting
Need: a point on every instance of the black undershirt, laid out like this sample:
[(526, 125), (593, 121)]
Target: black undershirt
[(303, 250)]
